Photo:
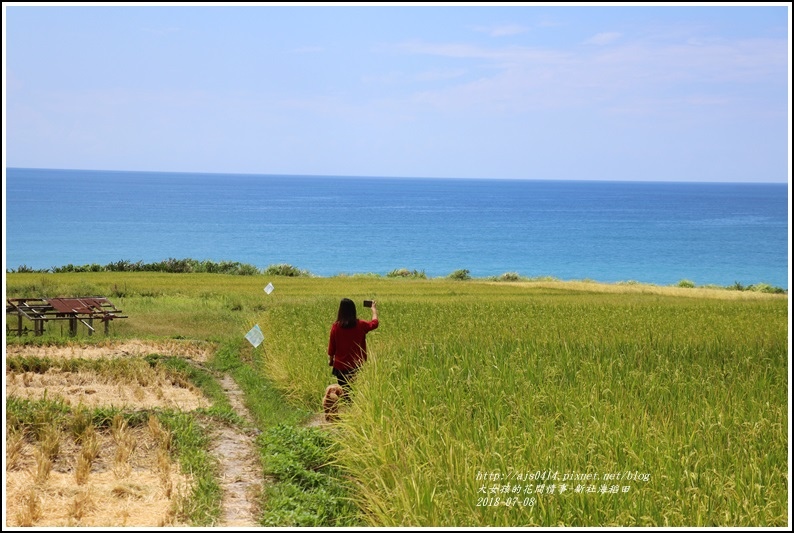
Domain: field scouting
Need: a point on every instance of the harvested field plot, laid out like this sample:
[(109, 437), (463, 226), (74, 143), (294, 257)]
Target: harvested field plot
[(119, 477), (85, 446), (93, 389), (188, 350)]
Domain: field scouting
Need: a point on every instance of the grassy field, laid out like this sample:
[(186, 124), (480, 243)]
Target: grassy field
[(506, 403)]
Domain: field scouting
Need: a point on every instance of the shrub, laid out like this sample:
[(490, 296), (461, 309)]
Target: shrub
[(405, 273), (122, 265), (509, 276), (462, 275), (766, 288), (247, 270), (284, 269), (179, 266), (24, 269), (686, 284), (66, 268)]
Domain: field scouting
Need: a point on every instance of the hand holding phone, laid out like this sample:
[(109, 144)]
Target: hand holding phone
[(367, 303)]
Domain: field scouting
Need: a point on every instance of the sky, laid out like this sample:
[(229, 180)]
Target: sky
[(657, 92)]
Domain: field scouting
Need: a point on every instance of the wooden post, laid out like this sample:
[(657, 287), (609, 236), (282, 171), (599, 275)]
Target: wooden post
[(72, 327)]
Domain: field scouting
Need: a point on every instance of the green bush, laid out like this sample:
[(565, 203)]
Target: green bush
[(405, 273), (284, 269), (686, 284), (763, 287), (461, 274), (24, 269)]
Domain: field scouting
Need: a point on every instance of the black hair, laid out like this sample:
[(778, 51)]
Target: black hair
[(346, 317)]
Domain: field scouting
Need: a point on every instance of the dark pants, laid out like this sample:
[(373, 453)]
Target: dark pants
[(344, 377)]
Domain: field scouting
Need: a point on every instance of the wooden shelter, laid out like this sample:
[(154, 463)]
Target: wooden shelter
[(76, 310)]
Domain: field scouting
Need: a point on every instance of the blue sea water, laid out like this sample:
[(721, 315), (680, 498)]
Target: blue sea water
[(659, 233)]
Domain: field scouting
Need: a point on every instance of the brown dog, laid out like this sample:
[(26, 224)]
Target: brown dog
[(333, 393)]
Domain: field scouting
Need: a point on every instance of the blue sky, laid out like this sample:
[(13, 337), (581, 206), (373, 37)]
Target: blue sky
[(519, 91)]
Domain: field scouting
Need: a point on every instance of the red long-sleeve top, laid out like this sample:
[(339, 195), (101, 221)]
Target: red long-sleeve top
[(348, 346)]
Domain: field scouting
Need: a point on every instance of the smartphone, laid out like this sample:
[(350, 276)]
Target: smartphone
[(367, 303)]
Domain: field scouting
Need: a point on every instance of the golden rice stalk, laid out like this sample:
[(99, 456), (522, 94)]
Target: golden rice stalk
[(164, 469), (161, 436), (81, 422), (30, 513), (121, 468), (90, 444), (15, 440), (125, 445), (82, 469), (51, 441), (82, 504), (88, 452), (43, 465), (118, 427), (178, 503), (155, 427)]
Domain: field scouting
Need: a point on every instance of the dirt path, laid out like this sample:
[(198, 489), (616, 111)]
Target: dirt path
[(241, 472)]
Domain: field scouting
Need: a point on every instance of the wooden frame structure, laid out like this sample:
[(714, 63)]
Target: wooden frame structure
[(42, 310)]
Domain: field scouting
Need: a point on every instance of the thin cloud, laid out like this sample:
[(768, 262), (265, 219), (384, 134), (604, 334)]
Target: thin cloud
[(393, 78), (468, 51), (515, 78), (603, 38), (502, 31)]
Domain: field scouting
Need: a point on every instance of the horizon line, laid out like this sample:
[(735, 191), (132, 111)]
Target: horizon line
[(361, 176)]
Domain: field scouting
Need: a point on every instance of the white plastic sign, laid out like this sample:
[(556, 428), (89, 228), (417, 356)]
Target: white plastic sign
[(255, 336)]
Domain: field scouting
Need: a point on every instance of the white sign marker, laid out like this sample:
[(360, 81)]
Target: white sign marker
[(255, 336)]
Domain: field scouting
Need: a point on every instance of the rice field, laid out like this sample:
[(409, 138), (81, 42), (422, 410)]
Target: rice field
[(519, 406), (516, 403)]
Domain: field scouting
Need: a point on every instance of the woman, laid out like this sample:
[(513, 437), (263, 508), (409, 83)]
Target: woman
[(347, 347)]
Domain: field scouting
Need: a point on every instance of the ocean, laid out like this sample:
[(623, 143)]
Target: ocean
[(647, 232)]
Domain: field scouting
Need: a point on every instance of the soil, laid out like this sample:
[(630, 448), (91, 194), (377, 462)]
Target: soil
[(143, 491), (241, 472)]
